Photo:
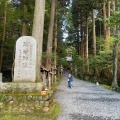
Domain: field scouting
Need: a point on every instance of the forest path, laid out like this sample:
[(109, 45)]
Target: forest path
[(87, 101)]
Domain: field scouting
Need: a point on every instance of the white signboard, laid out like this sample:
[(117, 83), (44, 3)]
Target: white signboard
[(69, 58)]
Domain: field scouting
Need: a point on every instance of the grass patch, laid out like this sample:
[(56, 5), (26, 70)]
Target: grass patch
[(52, 114), (106, 87)]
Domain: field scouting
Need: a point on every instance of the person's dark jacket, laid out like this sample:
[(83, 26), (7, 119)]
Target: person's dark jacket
[(70, 79)]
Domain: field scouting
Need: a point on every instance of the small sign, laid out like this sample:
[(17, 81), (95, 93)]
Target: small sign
[(69, 59), (43, 92)]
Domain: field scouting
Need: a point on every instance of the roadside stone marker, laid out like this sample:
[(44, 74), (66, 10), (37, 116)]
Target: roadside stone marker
[(25, 60)]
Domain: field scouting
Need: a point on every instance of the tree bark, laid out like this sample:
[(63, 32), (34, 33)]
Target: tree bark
[(107, 27), (50, 35), (3, 38), (94, 43), (94, 35), (78, 41), (24, 27), (82, 48), (55, 44), (114, 83), (115, 63), (113, 7), (87, 62), (82, 41), (37, 33), (104, 16)]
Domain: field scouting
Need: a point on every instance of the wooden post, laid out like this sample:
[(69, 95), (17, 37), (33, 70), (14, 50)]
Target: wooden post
[(49, 79)]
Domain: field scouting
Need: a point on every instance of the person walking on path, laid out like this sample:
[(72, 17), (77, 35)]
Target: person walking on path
[(86, 101), (70, 80)]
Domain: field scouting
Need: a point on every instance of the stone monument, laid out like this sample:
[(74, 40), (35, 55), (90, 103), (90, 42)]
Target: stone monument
[(25, 60)]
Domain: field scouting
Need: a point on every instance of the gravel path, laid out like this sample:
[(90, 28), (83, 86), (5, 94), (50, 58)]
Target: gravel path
[(87, 101)]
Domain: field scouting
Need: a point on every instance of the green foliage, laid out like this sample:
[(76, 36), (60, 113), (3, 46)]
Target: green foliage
[(2, 97), (101, 61), (92, 79), (106, 87), (14, 17), (102, 44), (62, 53), (114, 18), (116, 38)]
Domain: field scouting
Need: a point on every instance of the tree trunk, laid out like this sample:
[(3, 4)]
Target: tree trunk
[(115, 63), (82, 41), (82, 49), (94, 43), (87, 62), (104, 16), (114, 83), (107, 27), (81, 37), (94, 35), (50, 36), (78, 42), (113, 7), (55, 44), (3, 38), (37, 33), (24, 27)]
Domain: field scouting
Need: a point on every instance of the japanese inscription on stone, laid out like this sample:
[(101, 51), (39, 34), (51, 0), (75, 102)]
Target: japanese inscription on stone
[(25, 60)]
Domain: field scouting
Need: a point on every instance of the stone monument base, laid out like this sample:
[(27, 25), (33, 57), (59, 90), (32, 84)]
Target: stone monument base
[(21, 87)]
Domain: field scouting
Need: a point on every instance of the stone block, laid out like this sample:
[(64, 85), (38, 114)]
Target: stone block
[(47, 103), (18, 87), (40, 98), (46, 109)]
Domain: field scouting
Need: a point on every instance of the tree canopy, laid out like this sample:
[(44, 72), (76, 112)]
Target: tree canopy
[(87, 27)]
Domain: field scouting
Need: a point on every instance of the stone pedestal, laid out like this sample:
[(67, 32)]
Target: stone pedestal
[(21, 87)]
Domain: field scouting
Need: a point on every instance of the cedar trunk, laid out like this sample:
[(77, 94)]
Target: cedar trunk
[(24, 27), (55, 44), (104, 16), (114, 83), (50, 35), (87, 62), (94, 35), (37, 33)]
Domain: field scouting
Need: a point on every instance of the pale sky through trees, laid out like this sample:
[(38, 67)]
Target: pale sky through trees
[(65, 34)]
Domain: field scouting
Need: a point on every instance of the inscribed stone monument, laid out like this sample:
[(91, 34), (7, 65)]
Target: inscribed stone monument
[(25, 60)]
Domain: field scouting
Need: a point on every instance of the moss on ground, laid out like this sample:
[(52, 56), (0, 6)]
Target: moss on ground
[(52, 114), (106, 87)]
